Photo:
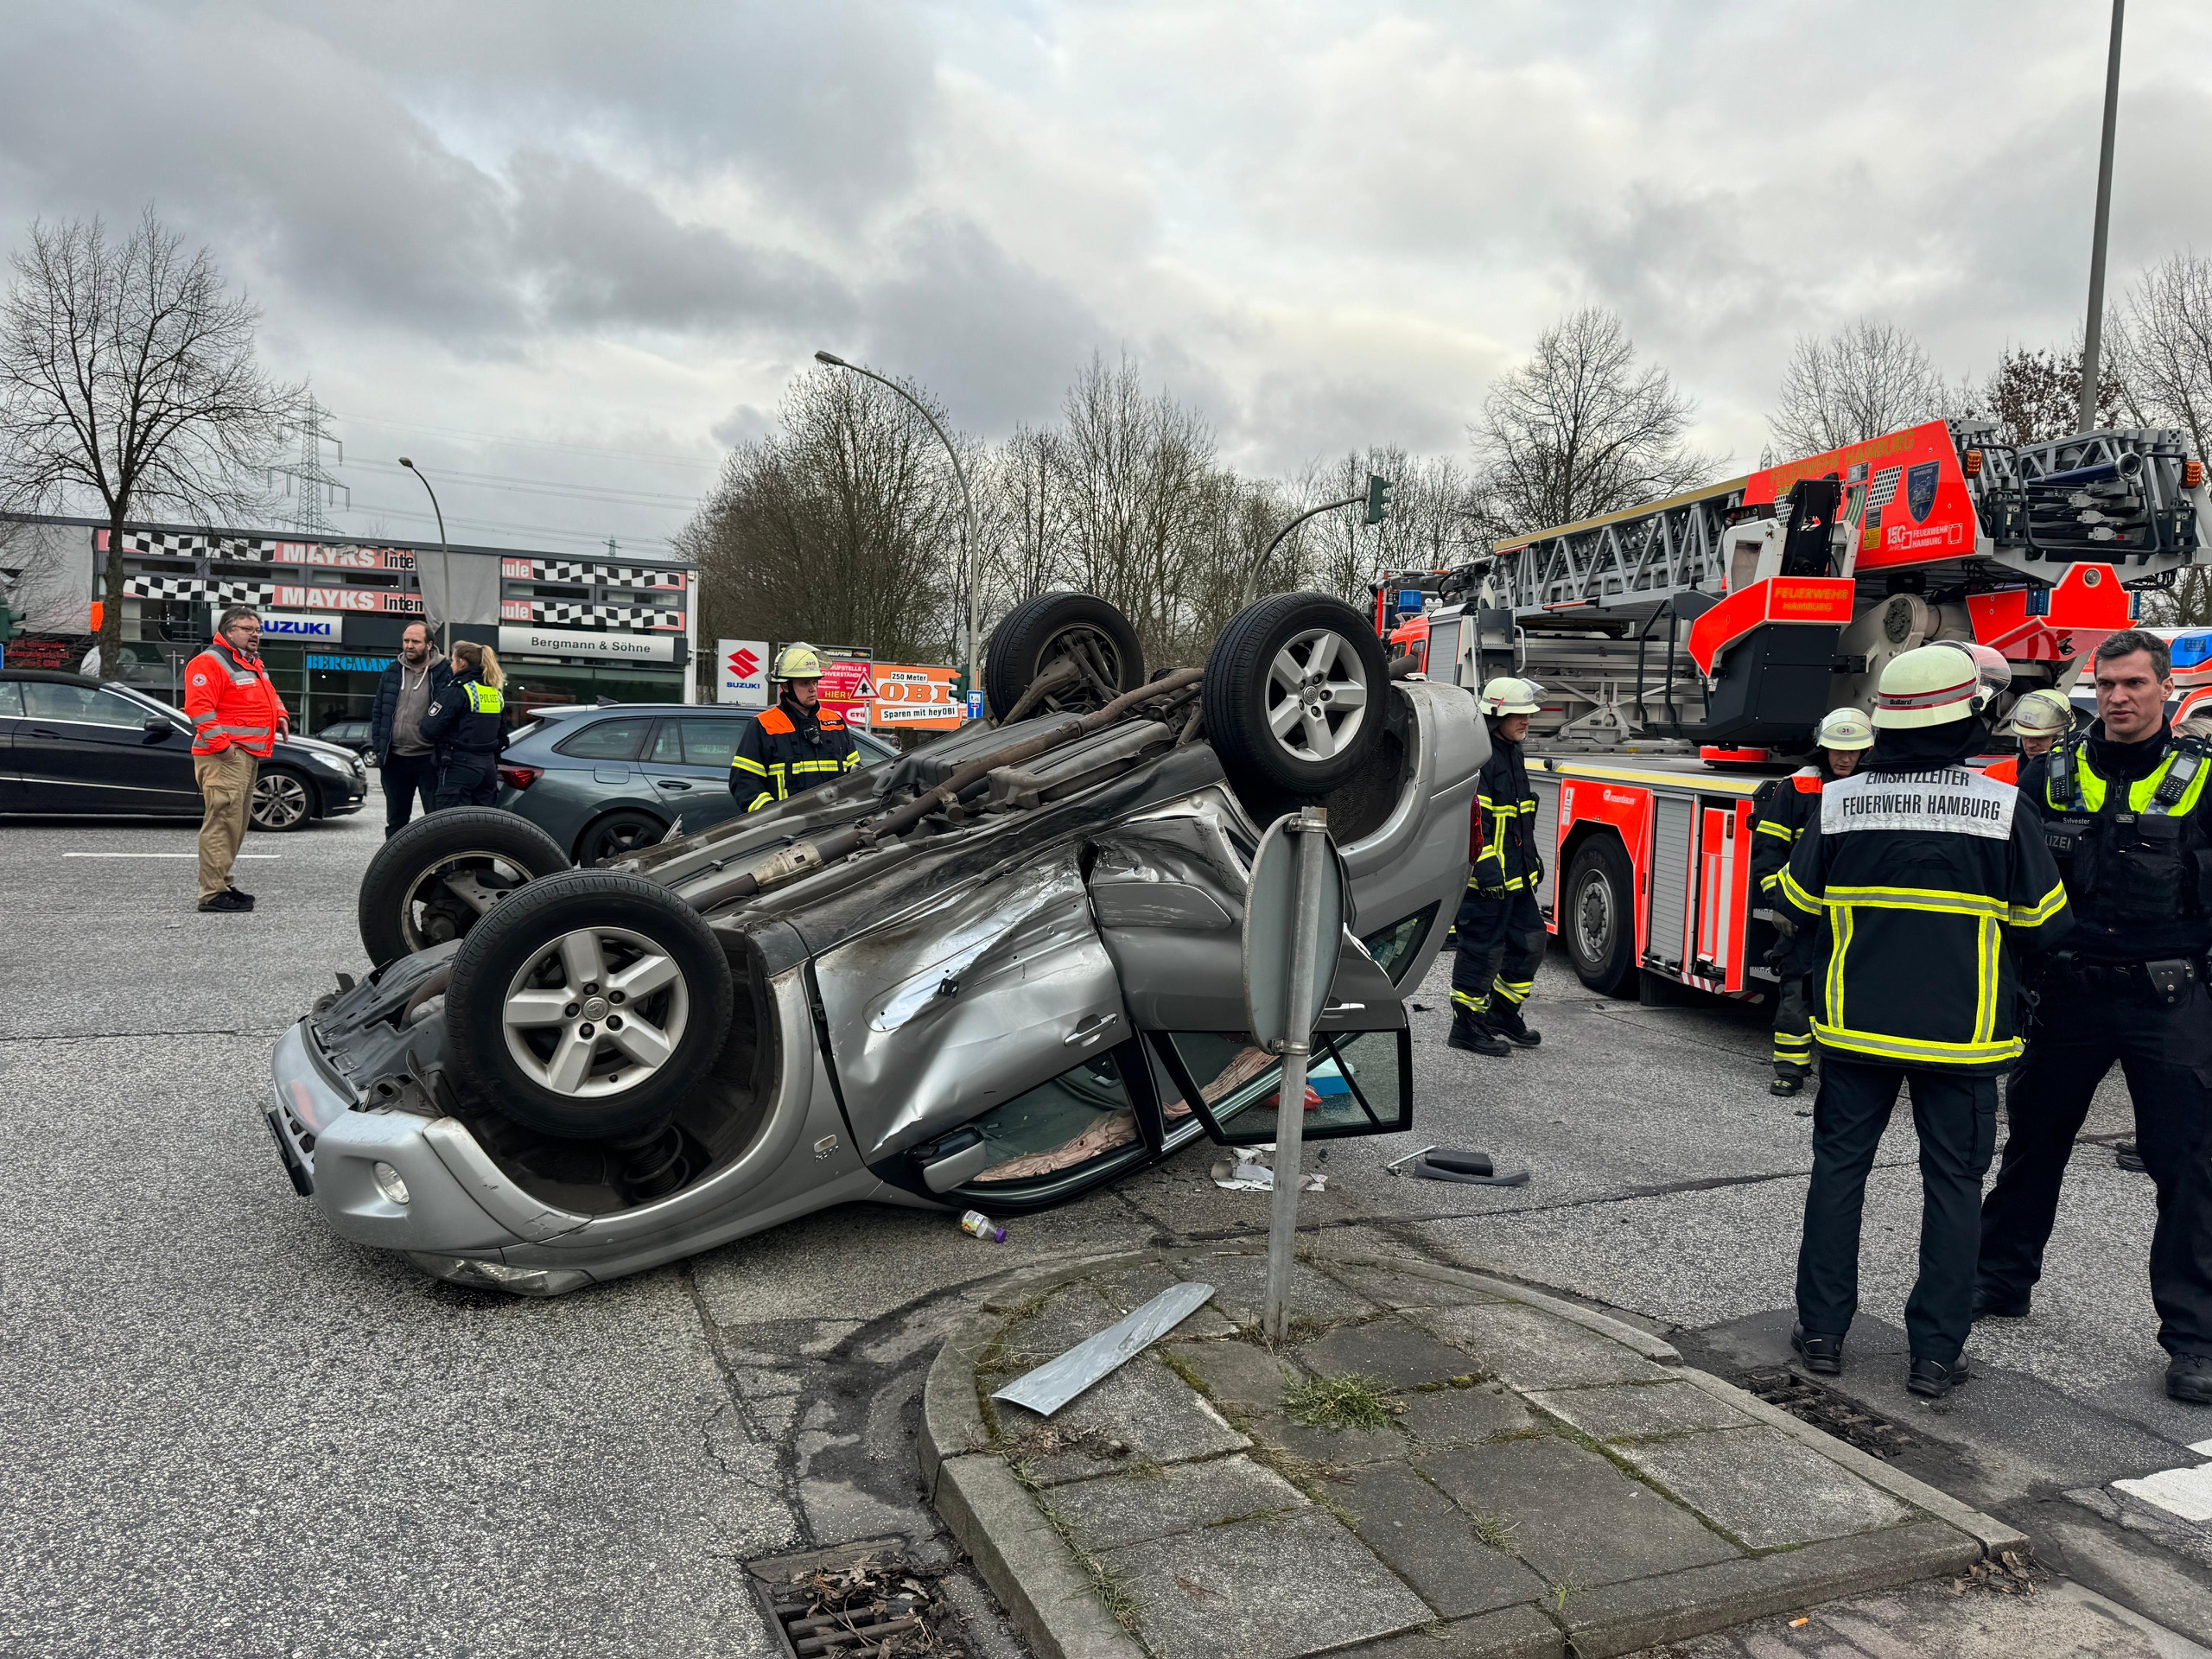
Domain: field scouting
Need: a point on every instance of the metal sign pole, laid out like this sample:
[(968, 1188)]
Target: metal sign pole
[(1312, 826)]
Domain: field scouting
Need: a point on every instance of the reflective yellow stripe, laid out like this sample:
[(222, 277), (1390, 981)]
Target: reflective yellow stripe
[(2051, 904), (2138, 792), (752, 766), (1936, 899), (1470, 1000), (849, 761), (1792, 1039), (1766, 882), (1779, 831), (1797, 895), (758, 801), (1915, 1048), (1985, 968), (1840, 947)]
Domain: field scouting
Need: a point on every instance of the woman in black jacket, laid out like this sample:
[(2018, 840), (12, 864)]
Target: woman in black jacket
[(467, 725)]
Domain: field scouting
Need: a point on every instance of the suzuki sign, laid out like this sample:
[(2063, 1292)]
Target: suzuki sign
[(741, 670)]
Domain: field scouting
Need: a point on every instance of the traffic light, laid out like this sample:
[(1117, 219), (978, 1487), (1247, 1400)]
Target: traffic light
[(11, 624), (1378, 498)]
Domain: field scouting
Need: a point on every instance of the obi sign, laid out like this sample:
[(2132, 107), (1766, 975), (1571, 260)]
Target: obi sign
[(919, 697), (742, 672)]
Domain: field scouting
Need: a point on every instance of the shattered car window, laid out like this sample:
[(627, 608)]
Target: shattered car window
[(1080, 1114)]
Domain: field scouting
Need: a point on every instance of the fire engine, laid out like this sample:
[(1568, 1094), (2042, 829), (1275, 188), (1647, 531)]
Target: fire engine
[(1687, 648)]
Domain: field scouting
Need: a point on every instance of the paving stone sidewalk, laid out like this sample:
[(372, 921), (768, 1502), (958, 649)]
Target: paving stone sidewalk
[(1504, 1474)]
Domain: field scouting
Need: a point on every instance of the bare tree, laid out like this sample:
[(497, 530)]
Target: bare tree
[(2162, 347), (2035, 396), (1867, 379), (1580, 429), (842, 528), (1024, 529), (128, 377)]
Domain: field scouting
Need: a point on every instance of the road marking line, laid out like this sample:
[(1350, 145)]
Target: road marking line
[(2185, 1492), (162, 854)]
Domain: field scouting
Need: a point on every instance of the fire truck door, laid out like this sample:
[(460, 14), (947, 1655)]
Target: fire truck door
[(1724, 856)]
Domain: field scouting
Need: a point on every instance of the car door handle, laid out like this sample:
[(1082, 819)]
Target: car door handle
[(44, 731), (1086, 1028), (672, 783)]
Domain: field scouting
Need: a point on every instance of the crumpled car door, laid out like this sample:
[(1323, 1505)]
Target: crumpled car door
[(935, 1019)]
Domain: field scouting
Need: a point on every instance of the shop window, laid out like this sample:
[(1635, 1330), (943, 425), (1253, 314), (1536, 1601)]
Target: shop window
[(606, 740)]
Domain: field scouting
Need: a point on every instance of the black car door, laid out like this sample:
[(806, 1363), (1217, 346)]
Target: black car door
[(11, 787), (84, 748)]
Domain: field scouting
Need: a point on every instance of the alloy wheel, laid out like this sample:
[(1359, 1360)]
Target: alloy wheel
[(280, 801), (595, 1013), (1317, 695)]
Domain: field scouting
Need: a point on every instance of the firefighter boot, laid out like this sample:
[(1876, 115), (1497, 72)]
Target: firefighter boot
[(1470, 1031), (1786, 1085), (1505, 1020)]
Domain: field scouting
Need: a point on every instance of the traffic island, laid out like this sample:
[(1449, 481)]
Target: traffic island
[(1437, 1466)]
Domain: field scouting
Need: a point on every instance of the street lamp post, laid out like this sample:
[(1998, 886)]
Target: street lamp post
[(967, 510), (445, 554), (2093, 331), (1252, 577)]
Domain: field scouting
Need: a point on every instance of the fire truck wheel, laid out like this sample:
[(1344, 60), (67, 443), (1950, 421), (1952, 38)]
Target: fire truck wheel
[(1072, 635), (1597, 917), (1295, 695)]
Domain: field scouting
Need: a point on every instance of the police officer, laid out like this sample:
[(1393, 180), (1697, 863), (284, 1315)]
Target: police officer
[(1784, 806), (1499, 929), (795, 746), (1928, 878), (467, 727), (2039, 721), (2124, 805)]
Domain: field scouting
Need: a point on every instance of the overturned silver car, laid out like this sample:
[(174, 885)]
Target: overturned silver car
[(994, 973)]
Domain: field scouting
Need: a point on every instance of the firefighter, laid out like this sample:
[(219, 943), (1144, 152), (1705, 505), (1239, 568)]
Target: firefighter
[(1500, 932), (467, 725), (2124, 804), (1927, 878), (1785, 806), (2039, 721), (795, 746)]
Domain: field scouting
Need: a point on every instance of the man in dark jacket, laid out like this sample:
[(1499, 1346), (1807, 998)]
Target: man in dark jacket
[(1930, 880), (2124, 807), (467, 726), (1499, 930), (403, 754), (795, 745), (1784, 808)]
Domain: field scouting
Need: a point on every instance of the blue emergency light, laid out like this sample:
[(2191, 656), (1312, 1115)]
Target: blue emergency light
[(2192, 650), (1410, 599)]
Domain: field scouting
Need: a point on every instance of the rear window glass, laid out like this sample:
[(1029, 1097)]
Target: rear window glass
[(711, 742), (607, 739)]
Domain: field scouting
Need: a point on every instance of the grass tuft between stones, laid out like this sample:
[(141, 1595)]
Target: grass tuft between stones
[(1350, 1401)]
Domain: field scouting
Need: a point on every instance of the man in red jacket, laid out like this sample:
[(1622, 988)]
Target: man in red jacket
[(237, 718)]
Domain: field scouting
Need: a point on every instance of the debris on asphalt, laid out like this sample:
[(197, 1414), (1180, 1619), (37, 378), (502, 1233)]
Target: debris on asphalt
[(1252, 1170), (1830, 1413), (1055, 1382), (982, 1226), (1471, 1168), (2011, 1574), (880, 1609)]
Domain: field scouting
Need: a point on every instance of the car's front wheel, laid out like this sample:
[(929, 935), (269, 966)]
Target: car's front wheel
[(588, 1006), (282, 800)]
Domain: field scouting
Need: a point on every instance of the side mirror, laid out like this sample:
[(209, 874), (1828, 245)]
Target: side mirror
[(157, 729)]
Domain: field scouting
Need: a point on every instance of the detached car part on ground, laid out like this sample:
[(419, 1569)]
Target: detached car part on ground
[(995, 973)]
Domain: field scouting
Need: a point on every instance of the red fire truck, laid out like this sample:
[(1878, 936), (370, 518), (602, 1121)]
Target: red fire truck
[(1687, 648)]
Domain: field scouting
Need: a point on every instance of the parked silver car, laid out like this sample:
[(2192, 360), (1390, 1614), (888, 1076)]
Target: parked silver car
[(994, 973)]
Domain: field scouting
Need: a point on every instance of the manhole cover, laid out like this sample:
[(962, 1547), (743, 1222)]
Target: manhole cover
[(870, 1600), (1833, 1413)]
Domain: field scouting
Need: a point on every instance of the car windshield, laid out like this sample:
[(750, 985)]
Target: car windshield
[(152, 705)]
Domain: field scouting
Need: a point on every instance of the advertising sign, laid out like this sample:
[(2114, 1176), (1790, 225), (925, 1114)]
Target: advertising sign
[(848, 686), (575, 642), (741, 671), (346, 599), (303, 625), (918, 696)]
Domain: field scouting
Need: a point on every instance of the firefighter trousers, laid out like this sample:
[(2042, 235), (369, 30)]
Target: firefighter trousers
[(1956, 1118), (1793, 1029), (2166, 1056), (1501, 941)]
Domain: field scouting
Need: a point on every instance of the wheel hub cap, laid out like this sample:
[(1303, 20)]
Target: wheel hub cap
[(566, 1039)]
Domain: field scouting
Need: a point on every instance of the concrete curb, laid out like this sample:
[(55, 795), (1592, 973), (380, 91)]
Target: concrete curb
[(1033, 1573), (1657, 1350)]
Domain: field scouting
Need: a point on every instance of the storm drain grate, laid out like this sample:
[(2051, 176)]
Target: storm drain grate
[(865, 1601), (1831, 1412)]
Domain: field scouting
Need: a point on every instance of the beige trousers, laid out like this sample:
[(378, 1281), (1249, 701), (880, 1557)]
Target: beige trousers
[(226, 787)]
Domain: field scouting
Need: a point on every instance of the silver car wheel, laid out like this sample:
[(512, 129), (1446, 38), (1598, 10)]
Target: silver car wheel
[(1317, 695), (280, 801), (595, 1013)]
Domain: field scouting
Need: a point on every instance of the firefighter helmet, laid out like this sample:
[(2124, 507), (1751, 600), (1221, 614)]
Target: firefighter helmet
[(2042, 714), (798, 661), (1929, 685), (1506, 696), (1844, 729)]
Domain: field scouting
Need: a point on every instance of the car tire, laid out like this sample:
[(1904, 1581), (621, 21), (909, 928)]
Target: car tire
[(1597, 917), (1039, 633), (618, 835), (569, 942), (406, 906), (283, 800), (1294, 696)]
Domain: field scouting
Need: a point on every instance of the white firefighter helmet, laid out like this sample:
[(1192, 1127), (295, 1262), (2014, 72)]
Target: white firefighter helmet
[(798, 661), (1929, 685), (1844, 729), (1508, 696), (2045, 713)]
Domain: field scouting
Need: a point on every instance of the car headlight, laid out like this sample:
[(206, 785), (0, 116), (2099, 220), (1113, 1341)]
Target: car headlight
[(330, 760)]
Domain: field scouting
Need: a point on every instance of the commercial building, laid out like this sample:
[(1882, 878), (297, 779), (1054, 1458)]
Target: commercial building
[(568, 628)]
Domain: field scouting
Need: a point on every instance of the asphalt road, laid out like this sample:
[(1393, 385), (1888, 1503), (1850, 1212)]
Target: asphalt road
[(228, 1433)]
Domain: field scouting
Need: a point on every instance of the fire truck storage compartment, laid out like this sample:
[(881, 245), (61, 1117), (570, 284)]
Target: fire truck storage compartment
[(1672, 819), (1544, 786), (1724, 860)]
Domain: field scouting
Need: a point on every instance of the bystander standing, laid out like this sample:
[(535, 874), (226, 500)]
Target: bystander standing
[(404, 756), (237, 718)]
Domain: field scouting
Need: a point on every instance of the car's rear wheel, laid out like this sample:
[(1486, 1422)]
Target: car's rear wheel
[(282, 800), (1597, 917), (1085, 646), (1294, 690), (435, 879), (587, 1006), (619, 835)]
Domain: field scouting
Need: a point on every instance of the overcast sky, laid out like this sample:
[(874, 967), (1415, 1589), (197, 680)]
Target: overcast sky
[(610, 228)]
